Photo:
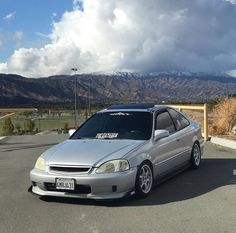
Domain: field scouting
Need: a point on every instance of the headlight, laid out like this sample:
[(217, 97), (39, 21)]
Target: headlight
[(113, 166), (40, 164)]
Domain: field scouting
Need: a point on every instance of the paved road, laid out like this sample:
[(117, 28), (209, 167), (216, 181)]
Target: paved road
[(196, 201)]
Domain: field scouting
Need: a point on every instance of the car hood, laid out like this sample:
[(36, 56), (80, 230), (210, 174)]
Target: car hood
[(92, 152)]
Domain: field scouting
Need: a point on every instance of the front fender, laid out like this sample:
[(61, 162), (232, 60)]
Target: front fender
[(136, 160)]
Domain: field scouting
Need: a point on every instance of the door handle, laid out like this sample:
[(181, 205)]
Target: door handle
[(177, 139)]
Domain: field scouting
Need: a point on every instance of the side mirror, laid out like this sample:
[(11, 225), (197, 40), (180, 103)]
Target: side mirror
[(160, 133), (71, 131)]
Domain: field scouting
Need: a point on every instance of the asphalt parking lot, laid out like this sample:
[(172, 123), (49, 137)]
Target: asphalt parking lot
[(202, 200)]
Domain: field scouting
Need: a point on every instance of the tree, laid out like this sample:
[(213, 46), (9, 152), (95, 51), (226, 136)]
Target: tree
[(29, 125), (8, 127)]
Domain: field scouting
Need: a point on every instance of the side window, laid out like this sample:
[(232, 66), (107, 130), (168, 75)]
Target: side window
[(164, 121), (179, 120)]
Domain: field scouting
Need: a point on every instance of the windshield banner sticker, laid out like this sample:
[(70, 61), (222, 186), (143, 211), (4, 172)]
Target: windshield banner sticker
[(106, 135), (120, 114)]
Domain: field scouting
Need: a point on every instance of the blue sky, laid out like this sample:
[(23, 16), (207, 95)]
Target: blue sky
[(29, 17)]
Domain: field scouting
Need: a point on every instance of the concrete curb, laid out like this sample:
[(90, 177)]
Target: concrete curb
[(224, 142), (3, 139)]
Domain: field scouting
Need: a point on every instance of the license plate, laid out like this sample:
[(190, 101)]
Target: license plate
[(66, 184)]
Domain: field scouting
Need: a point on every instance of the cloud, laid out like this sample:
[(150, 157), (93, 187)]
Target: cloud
[(10, 36), (40, 34), (232, 1), (5, 38), (232, 73), (127, 35), (9, 17), (18, 35)]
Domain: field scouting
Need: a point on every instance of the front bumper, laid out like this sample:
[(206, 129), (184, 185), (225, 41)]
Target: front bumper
[(93, 186)]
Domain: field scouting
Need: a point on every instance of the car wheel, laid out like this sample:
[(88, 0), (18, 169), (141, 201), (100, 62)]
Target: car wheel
[(196, 156), (144, 180)]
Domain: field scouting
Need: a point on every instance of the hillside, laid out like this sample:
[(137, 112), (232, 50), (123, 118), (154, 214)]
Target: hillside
[(116, 87)]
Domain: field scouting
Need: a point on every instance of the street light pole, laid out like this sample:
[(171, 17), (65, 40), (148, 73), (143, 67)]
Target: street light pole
[(89, 108), (75, 90)]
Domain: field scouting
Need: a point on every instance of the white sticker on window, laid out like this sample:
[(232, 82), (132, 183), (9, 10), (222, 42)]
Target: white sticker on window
[(120, 114), (106, 135)]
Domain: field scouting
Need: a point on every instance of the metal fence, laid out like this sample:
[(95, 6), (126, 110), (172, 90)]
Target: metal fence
[(203, 108)]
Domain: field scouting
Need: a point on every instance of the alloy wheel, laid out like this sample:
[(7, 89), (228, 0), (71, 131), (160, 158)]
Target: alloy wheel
[(145, 178)]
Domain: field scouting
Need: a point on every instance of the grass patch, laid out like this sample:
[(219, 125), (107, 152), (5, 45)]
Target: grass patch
[(45, 123)]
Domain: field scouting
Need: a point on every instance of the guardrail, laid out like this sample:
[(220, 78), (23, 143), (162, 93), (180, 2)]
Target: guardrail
[(12, 111), (203, 108), (7, 115)]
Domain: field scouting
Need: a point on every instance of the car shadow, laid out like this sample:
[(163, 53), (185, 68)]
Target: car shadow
[(213, 174)]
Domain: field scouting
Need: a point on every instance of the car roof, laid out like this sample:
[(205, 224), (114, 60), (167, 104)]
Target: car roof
[(134, 107)]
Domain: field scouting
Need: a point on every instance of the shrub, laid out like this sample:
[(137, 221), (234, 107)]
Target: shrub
[(66, 128), (8, 127), (29, 125), (225, 113), (18, 127)]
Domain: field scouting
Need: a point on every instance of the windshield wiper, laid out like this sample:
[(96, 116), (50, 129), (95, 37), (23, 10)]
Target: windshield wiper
[(108, 138), (82, 138)]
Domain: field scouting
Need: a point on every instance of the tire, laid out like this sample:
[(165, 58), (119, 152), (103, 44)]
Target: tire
[(196, 156), (144, 180)]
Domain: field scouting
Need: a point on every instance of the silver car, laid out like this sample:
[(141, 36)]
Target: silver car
[(119, 151)]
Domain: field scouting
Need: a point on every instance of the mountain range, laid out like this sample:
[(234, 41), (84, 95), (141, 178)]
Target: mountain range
[(117, 87)]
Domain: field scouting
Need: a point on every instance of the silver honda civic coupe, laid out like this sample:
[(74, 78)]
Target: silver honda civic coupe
[(119, 151)]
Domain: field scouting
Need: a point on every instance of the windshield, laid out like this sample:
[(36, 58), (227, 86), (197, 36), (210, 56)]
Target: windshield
[(117, 125)]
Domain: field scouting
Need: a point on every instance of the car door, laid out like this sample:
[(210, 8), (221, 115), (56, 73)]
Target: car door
[(165, 150)]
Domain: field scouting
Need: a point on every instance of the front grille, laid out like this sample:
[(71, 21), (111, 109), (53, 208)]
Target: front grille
[(79, 189), (69, 169)]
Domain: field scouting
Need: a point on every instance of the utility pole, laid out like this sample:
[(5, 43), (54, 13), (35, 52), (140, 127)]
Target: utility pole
[(75, 92), (89, 107)]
